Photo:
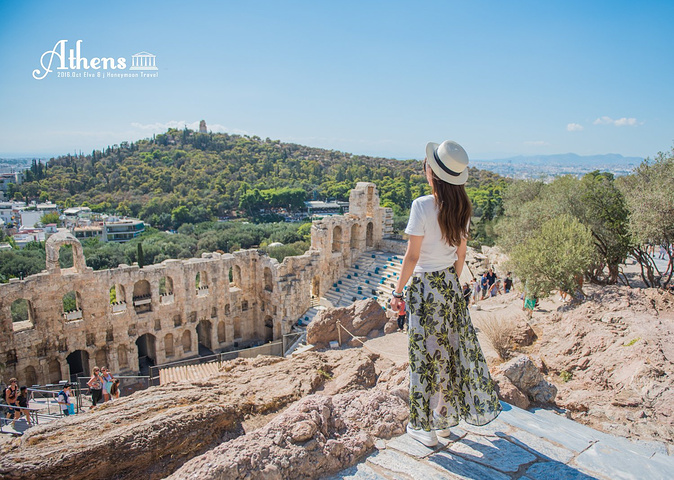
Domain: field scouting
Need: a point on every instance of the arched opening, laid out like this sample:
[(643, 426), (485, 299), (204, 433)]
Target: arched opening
[(78, 363), (201, 283), (222, 332), (268, 329), (122, 356), (117, 298), (72, 309), (166, 290), (204, 338), (142, 296), (369, 235), (166, 286), (30, 375), (268, 284), (244, 306), (337, 239), (316, 287), (101, 357), (22, 316), (66, 256), (187, 341), (227, 309), (54, 369), (237, 327), (235, 277), (168, 345), (147, 356), (354, 236)]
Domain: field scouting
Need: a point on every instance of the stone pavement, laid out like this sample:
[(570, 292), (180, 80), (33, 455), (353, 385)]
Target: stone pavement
[(531, 445)]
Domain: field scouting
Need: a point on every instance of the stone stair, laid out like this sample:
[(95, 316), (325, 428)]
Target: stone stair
[(519, 444), (373, 275)]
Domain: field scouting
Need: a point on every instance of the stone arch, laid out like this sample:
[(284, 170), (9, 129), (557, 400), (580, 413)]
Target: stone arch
[(316, 287), (268, 329), (53, 245), (337, 239), (66, 260), (355, 230), (237, 327), (22, 313), (369, 235), (201, 280), (78, 363), (142, 296), (268, 281), (204, 330), (30, 376), (147, 353), (222, 332), (166, 285), (72, 306), (235, 276), (187, 341), (54, 371), (169, 349)]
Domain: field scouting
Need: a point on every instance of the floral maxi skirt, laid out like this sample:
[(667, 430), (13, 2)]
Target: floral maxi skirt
[(449, 378)]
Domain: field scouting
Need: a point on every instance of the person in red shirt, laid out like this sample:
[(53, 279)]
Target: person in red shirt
[(401, 316)]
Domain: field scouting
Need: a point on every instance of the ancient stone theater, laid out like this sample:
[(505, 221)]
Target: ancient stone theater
[(129, 316)]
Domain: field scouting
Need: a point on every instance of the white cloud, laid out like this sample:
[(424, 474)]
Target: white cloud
[(536, 143), (574, 127), (620, 122), (162, 127)]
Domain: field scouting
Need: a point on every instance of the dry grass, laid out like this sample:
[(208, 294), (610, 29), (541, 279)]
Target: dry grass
[(498, 332)]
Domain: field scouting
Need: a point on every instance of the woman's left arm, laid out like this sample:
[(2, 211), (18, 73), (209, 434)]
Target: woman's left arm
[(409, 262), (461, 254)]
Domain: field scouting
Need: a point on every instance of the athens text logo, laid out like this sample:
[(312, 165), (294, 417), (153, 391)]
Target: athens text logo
[(71, 63)]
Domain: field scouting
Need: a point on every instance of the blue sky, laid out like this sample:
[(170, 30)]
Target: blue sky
[(378, 78)]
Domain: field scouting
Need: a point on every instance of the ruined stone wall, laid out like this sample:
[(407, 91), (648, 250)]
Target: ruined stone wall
[(260, 304)]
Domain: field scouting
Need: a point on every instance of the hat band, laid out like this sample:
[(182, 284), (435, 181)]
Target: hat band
[(443, 166)]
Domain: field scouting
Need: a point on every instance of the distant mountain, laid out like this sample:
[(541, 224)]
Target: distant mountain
[(570, 160)]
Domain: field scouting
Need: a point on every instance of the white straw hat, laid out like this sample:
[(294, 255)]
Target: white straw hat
[(449, 161)]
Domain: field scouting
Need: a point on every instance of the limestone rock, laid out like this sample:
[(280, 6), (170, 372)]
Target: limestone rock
[(524, 374), (522, 334), (153, 432), (315, 437), (359, 318), (510, 393)]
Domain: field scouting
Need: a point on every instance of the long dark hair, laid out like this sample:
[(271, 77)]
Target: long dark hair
[(454, 210)]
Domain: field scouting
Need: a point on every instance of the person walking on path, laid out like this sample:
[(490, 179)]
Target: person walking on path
[(63, 399), (449, 378), (402, 314), (96, 386)]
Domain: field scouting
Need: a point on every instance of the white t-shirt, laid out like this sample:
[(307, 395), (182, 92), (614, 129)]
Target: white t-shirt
[(436, 254)]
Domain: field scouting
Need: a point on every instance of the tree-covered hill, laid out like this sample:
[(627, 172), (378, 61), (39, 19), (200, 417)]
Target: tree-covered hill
[(183, 176)]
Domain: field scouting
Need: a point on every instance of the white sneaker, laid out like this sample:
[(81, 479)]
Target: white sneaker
[(444, 433), (429, 439)]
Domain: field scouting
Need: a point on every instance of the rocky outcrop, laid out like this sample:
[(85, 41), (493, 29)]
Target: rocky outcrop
[(612, 359), (359, 318), (317, 436), (153, 432)]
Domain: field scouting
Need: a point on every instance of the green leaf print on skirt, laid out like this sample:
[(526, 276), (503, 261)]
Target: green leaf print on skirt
[(449, 378)]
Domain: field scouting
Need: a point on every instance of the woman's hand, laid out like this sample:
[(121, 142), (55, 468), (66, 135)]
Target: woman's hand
[(395, 303)]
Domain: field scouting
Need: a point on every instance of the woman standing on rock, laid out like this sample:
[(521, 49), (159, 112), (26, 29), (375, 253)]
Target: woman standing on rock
[(449, 378)]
